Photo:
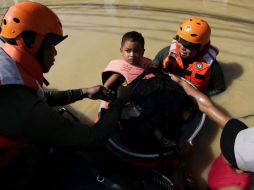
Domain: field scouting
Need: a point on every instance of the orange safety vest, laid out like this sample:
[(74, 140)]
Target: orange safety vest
[(198, 72), (128, 71), (17, 67)]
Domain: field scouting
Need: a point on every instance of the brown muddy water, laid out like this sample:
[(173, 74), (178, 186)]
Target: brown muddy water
[(95, 29)]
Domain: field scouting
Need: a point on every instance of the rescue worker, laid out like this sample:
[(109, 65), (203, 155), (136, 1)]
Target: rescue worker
[(191, 55), (30, 31)]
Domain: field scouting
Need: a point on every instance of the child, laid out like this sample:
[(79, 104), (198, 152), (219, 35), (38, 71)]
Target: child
[(129, 67), (155, 113), (133, 62), (191, 56)]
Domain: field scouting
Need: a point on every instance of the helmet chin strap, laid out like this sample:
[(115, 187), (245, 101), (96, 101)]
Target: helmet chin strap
[(39, 58), (45, 81)]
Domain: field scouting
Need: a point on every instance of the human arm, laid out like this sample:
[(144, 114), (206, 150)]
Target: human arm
[(37, 123), (205, 104), (233, 130), (59, 98), (114, 81), (217, 83), (45, 126)]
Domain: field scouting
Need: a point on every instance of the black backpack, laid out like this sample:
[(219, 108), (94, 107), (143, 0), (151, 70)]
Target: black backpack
[(160, 102)]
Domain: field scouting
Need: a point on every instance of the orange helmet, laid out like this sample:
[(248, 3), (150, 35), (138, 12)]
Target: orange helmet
[(195, 30), (31, 17)]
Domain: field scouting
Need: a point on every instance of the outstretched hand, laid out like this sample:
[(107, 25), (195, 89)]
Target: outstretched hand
[(175, 77), (98, 92)]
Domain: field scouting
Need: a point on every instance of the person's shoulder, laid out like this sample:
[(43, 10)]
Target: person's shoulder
[(216, 65), (165, 49), (161, 55), (214, 48)]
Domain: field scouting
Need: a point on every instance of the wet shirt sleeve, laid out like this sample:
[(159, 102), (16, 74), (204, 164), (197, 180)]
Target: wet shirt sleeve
[(44, 125), (60, 98)]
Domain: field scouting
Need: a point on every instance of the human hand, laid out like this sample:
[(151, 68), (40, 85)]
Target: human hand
[(175, 77), (98, 92)]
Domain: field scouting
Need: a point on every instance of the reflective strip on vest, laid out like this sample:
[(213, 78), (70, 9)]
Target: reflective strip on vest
[(210, 56)]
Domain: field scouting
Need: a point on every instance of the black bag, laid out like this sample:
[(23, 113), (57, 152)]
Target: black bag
[(160, 102)]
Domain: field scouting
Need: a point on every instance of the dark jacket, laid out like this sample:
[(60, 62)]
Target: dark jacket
[(27, 117)]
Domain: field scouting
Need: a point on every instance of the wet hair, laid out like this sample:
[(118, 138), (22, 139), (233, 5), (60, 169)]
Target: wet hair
[(134, 37)]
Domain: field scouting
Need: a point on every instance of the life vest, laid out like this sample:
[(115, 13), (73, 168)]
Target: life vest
[(128, 71), (17, 67), (198, 72)]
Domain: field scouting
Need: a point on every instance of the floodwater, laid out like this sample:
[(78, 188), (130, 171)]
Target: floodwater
[(95, 29)]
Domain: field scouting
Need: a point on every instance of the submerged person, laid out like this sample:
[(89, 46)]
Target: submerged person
[(191, 55), (158, 105), (231, 170), (30, 31)]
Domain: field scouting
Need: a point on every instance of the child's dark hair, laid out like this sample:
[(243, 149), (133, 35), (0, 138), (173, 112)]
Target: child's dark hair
[(134, 37)]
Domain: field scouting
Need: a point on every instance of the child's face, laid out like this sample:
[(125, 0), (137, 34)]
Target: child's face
[(187, 53), (132, 52)]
